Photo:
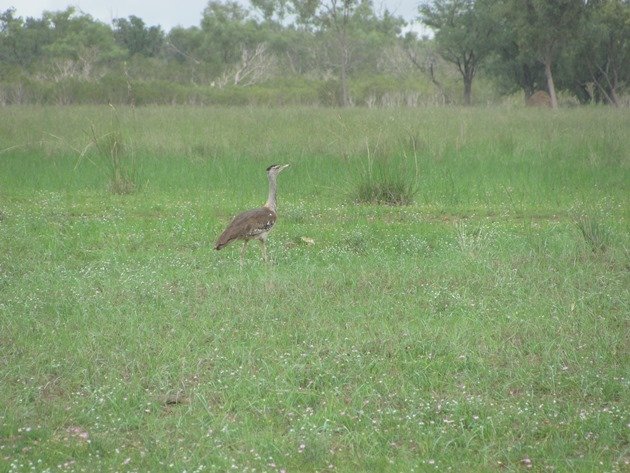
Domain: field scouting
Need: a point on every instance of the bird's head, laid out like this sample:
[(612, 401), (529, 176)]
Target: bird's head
[(276, 169)]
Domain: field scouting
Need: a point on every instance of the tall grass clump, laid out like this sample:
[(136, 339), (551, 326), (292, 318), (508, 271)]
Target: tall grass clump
[(596, 234), (386, 180), (117, 158)]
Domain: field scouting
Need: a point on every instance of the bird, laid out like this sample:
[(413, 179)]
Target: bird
[(254, 224)]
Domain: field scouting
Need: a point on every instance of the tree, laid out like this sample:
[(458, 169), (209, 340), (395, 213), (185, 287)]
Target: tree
[(182, 46), (230, 46), (511, 66), (235, 43), (335, 16), (350, 30), (133, 35), (420, 52), (601, 62), (462, 33), (542, 28), (22, 41), (80, 43), (513, 69)]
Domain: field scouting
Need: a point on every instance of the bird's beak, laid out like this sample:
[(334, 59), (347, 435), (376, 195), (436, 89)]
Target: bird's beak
[(284, 167)]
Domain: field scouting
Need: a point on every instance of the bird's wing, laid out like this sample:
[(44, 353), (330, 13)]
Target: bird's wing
[(247, 225)]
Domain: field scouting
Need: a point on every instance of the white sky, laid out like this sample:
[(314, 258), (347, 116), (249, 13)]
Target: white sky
[(166, 13)]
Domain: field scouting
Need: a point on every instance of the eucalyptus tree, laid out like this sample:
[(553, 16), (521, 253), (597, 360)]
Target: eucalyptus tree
[(79, 44), (545, 29), (229, 47), (137, 38), (227, 26), (22, 40), (292, 46), (601, 59), (511, 66), (336, 17), (463, 34), (350, 31), (420, 53)]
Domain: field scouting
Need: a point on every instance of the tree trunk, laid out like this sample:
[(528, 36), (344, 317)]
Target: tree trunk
[(468, 74), (345, 96), (613, 83), (550, 84), (467, 90), (343, 73), (528, 81), (443, 97), (614, 98)]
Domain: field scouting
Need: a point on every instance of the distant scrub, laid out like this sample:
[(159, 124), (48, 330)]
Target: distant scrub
[(115, 89)]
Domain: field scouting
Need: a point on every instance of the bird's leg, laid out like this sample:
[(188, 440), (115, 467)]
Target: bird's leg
[(263, 246), (243, 251)]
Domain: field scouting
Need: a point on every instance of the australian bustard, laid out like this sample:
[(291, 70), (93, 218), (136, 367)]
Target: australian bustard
[(254, 224)]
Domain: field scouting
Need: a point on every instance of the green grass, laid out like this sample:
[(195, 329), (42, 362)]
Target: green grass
[(483, 327)]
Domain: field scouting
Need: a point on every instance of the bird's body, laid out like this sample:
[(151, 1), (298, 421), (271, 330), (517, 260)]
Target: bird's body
[(254, 224)]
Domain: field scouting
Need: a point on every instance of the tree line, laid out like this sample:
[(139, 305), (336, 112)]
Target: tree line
[(322, 52)]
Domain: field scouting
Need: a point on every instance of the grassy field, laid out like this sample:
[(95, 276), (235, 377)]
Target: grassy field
[(483, 327)]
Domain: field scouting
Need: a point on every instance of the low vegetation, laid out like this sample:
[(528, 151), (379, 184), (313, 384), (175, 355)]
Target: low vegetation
[(481, 326)]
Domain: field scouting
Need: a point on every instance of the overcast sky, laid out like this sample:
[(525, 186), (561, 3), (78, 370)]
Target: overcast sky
[(166, 13)]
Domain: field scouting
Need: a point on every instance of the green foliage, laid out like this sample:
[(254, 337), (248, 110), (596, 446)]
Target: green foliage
[(512, 67), (542, 27), (136, 38), (79, 44), (601, 59), (22, 42), (543, 30), (228, 31), (463, 35)]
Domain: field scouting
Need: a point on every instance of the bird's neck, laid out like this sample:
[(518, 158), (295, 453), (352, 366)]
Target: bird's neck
[(271, 199)]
